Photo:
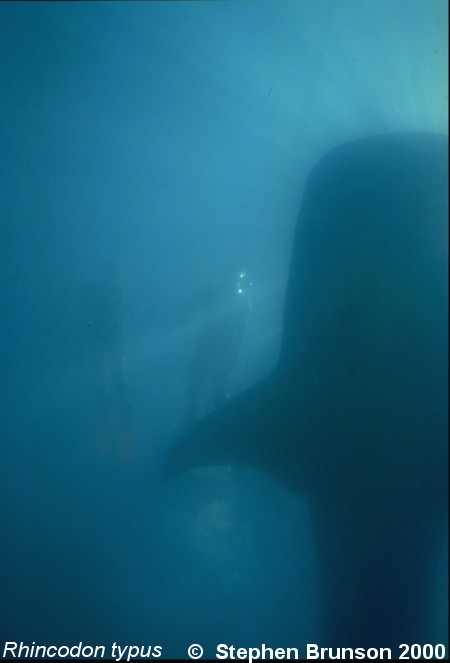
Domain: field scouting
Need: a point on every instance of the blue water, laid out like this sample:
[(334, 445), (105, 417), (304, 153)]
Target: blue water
[(150, 149)]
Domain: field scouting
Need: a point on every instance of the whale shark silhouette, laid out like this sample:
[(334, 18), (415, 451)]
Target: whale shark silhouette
[(355, 413)]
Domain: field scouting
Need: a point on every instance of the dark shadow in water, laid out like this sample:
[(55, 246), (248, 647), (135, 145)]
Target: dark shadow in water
[(355, 414)]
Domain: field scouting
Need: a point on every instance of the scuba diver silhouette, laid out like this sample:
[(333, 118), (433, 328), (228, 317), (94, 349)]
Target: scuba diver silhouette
[(219, 317), (110, 399)]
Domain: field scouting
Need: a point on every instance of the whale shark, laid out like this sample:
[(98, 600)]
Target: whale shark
[(354, 415)]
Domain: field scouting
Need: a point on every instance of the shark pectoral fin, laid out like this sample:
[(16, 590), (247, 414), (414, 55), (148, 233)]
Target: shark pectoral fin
[(233, 433), (249, 430), (206, 442)]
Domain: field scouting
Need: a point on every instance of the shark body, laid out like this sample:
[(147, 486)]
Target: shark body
[(355, 413)]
